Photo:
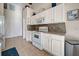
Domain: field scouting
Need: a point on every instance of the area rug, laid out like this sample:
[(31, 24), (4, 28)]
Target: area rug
[(10, 52)]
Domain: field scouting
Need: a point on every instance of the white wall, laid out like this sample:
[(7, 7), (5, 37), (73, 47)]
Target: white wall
[(27, 13), (2, 19), (1, 9), (72, 29), (13, 21)]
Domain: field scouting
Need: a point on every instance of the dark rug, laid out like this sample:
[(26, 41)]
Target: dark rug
[(10, 52)]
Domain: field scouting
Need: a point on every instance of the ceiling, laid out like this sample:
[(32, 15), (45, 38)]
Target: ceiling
[(37, 7)]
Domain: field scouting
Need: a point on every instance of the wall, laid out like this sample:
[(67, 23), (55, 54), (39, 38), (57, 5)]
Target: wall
[(2, 18), (72, 29), (1, 9), (27, 13), (13, 21)]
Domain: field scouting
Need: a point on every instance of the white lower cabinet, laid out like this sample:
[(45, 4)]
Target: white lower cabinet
[(58, 45), (28, 36), (50, 46), (47, 42), (54, 44), (44, 38)]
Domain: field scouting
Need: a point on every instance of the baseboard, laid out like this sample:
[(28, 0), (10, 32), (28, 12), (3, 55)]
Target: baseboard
[(12, 36)]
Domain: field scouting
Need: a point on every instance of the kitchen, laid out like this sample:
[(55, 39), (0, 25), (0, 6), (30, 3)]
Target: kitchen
[(47, 26)]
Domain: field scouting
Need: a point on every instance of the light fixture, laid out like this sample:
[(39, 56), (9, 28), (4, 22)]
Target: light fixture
[(27, 6), (30, 3)]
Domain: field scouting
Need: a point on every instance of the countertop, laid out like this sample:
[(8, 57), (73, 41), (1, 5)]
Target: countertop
[(73, 42), (53, 33)]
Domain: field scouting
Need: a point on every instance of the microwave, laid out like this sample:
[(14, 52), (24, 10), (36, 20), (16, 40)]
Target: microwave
[(43, 29)]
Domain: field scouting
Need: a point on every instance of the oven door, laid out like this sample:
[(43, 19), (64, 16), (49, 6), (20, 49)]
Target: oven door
[(36, 38)]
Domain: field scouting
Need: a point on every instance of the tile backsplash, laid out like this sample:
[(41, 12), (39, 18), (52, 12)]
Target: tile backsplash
[(57, 28)]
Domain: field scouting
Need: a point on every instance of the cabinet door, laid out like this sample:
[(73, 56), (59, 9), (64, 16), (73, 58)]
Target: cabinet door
[(58, 14), (32, 20), (44, 39), (47, 42), (28, 36), (50, 45), (58, 46), (48, 16), (35, 18), (52, 15)]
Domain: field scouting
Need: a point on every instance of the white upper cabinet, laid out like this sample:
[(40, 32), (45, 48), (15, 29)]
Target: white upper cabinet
[(36, 19), (52, 15), (44, 17), (58, 14), (47, 14)]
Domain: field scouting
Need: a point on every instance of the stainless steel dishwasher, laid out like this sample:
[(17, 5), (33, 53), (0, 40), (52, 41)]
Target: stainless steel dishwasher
[(72, 48)]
